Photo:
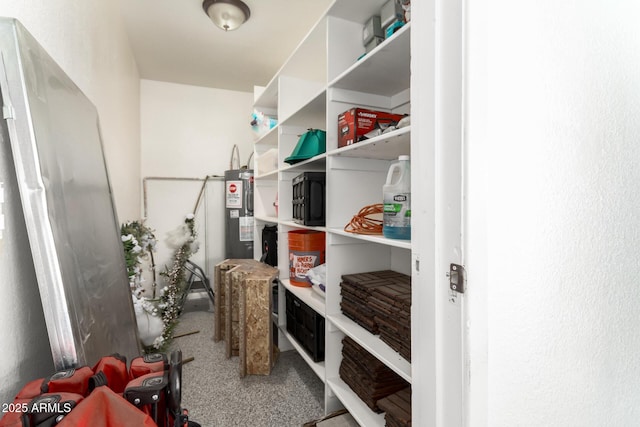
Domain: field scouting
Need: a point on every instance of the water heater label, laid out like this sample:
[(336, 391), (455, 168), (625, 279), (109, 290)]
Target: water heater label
[(234, 194), (246, 228)]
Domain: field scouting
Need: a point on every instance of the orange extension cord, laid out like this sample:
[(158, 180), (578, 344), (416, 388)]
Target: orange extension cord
[(362, 223)]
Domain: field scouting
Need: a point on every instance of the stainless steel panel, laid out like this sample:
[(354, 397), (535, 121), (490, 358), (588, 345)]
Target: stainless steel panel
[(67, 203), (23, 336)]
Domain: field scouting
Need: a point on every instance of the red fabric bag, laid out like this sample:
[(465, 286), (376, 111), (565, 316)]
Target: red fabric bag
[(48, 408), (105, 408), (31, 389), (78, 397), (148, 393), (115, 371), (143, 365), (15, 412), (68, 381)]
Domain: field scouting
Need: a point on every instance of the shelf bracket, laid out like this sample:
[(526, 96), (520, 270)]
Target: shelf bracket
[(457, 278)]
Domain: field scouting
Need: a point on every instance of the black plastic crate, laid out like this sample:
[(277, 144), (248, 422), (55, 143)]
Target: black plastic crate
[(309, 198), (306, 326)]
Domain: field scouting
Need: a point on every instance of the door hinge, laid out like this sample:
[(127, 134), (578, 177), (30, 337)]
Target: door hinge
[(457, 278)]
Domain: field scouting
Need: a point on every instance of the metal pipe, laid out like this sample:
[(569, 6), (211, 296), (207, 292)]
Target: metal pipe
[(199, 200), (171, 178)]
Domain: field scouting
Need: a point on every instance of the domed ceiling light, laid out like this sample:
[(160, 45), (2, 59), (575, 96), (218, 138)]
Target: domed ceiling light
[(227, 14)]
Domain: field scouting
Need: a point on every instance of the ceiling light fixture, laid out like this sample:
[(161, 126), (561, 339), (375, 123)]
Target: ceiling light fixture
[(227, 14)]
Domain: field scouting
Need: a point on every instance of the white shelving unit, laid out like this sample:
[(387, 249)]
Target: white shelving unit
[(361, 412), (322, 79)]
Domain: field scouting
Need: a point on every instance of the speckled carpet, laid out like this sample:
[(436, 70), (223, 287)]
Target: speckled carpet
[(216, 396)]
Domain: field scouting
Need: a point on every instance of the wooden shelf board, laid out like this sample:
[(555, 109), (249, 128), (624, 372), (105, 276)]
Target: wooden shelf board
[(266, 218), (270, 138), (358, 409), (315, 163), (383, 147), (272, 175), (373, 344), (306, 295), (383, 71), (317, 367), (397, 243), (309, 112)]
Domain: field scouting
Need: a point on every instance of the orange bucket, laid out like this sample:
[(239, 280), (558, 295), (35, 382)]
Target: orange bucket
[(306, 250)]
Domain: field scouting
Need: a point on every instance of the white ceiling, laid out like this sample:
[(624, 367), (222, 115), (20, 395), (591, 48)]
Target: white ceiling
[(175, 41)]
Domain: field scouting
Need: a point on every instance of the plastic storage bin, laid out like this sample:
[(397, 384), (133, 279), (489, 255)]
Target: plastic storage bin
[(309, 198), (267, 162), (306, 326)]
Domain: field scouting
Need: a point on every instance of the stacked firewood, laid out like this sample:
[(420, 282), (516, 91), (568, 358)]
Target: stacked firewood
[(392, 307), (380, 302), (369, 378), (397, 408)]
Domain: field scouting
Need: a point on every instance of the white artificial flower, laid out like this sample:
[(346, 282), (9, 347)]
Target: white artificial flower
[(189, 216), (158, 341), (178, 237)]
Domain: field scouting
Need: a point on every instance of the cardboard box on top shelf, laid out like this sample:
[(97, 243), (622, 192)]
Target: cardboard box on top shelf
[(358, 124)]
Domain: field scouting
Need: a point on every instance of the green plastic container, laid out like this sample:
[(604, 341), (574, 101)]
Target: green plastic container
[(311, 143)]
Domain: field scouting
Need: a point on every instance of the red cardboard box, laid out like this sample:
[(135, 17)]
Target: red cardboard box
[(355, 123)]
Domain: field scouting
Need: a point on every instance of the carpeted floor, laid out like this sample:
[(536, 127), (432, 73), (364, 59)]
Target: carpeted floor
[(216, 396)]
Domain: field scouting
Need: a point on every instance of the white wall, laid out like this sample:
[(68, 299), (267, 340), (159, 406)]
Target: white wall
[(553, 226), (189, 132), (88, 41)]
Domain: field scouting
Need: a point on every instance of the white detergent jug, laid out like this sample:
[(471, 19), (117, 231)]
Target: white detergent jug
[(397, 200)]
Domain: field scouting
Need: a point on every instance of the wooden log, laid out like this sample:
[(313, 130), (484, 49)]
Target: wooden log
[(184, 334), (220, 300), (397, 407), (369, 389), (243, 313), (231, 321), (257, 355), (217, 304), (234, 282)]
